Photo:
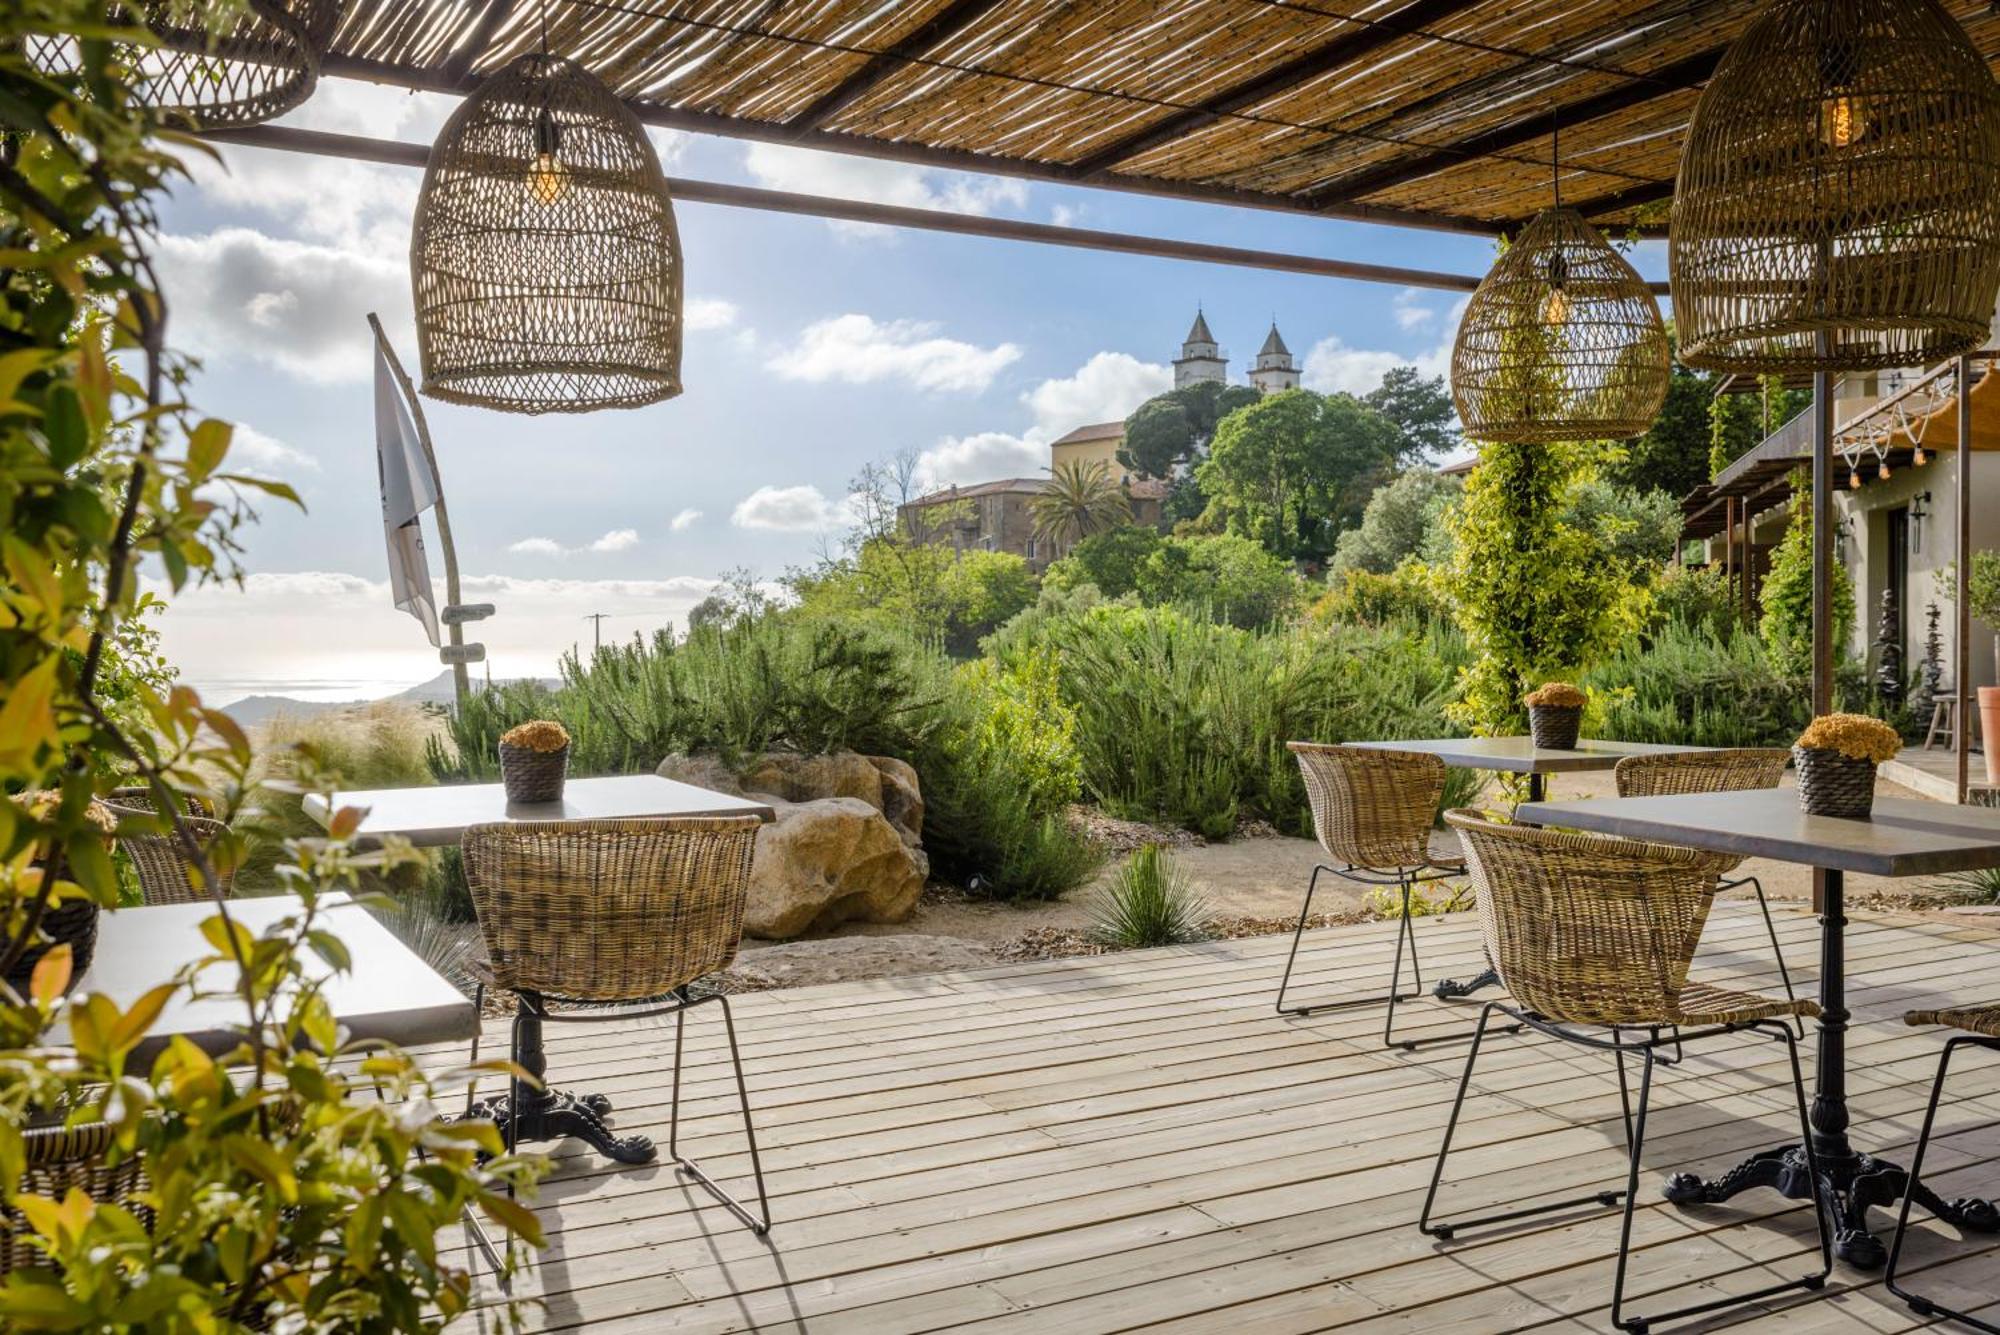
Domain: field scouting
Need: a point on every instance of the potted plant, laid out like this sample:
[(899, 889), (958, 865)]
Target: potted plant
[(534, 759), (1555, 715), (1837, 755), (1982, 596), (68, 921)]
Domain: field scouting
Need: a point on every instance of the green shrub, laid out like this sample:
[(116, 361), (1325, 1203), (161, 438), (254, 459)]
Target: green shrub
[(1363, 598), (1787, 597), (1109, 560), (1229, 578), (1152, 901)]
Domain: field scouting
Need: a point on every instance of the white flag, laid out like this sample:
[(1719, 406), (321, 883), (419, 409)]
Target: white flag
[(408, 490)]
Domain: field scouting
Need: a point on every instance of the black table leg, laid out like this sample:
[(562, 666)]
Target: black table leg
[(1850, 1181), (536, 1112), (1451, 989)]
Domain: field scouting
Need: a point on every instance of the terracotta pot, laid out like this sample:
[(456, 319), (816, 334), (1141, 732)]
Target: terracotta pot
[(1989, 730)]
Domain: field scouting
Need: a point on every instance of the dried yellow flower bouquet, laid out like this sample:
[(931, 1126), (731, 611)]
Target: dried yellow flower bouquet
[(1555, 695), (539, 735), (1855, 736)]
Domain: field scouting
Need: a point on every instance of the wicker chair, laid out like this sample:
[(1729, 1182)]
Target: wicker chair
[(1731, 770), (59, 1158), (599, 916), (1593, 936), (1372, 812), (1978, 1027), (166, 875)]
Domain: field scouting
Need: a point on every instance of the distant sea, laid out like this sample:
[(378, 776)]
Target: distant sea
[(221, 692)]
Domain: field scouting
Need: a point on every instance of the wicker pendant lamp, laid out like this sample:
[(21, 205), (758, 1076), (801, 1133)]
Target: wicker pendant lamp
[(1841, 177), (262, 66), (544, 255), (1561, 341)]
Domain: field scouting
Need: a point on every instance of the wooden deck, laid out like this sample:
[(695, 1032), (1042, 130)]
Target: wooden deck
[(1137, 1142)]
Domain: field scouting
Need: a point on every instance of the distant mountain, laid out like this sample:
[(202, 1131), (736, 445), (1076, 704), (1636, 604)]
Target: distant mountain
[(255, 709)]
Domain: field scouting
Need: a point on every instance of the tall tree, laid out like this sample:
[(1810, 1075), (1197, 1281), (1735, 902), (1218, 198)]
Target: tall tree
[(1081, 500), (1171, 429), (1294, 469), (1421, 411), (1673, 454)]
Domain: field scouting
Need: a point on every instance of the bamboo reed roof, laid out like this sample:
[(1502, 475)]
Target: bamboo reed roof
[(1432, 112)]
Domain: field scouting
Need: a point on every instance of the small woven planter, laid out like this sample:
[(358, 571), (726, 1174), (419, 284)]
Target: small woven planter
[(1831, 784), (1555, 727), (73, 924), (533, 776)]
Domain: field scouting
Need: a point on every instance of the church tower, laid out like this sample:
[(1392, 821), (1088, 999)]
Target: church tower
[(1200, 358), (1274, 369)]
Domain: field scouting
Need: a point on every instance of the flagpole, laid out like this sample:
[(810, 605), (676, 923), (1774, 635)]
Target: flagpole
[(461, 687)]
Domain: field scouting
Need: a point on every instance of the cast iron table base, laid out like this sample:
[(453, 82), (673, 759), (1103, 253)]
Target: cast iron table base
[(553, 1114), (1850, 1181)]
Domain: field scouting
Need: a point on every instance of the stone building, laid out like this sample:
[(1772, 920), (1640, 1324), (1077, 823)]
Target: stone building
[(1000, 516)]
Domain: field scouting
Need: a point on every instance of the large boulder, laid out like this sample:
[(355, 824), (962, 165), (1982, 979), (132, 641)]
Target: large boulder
[(846, 845), (830, 861)]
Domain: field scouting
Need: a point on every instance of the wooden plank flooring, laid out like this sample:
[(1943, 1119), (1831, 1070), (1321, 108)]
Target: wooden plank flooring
[(1137, 1142)]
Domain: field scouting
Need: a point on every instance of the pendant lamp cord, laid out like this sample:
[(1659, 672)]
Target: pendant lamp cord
[(545, 26), (1555, 153)]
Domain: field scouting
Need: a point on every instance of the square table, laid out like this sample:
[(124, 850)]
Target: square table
[(439, 815), (389, 994), (1520, 755), (1903, 837)]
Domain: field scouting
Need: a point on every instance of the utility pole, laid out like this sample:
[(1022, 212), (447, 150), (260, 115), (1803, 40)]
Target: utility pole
[(596, 620)]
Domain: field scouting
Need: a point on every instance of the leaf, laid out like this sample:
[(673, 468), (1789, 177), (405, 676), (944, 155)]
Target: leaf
[(259, 1159), (63, 423), (207, 444), (513, 1216), (345, 822), (140, 1015), (19, 365), (51, 976), (27, 718)]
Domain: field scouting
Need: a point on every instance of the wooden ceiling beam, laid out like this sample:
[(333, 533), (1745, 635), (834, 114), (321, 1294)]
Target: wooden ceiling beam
[(704, 122), (952, 19), (1346, 49), (1688, 72), (1631, 197), (476, 42)]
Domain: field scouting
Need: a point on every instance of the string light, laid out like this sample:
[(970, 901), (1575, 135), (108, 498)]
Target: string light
[(548, 181)]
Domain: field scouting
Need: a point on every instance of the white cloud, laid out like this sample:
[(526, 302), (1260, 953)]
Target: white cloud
[(709, 313), (286, 632), (1065, 215), (1104, 389), (801, 509), (253, 452), (859, 350), (1332, 365), (684, 521), (237, 294), (1409, 311), (617, 540), (846, 176)]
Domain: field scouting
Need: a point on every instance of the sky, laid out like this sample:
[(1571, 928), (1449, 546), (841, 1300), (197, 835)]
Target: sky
[(812, 348)]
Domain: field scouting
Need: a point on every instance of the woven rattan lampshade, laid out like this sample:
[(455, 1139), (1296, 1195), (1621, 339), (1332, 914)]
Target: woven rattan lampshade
[(266, 63), (1562, 341), (545, 259), (1841, 176)]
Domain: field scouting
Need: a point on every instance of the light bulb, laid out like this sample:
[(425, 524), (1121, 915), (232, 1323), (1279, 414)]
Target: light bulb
[(548, 179), (1854, 479), (1555, 311), (1921, 457), (1843, 119), (1882, 470)]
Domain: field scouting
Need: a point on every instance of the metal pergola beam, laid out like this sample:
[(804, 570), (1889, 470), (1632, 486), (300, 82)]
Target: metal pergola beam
[(1342, 51), (395, 153), (1680, 74), (951, 19)]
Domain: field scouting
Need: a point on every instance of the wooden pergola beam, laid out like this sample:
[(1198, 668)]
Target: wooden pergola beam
[(1342, 51), (476, 42), (1681, 74), (1631, 197), (395, 153), (953, 18), (776, 132)]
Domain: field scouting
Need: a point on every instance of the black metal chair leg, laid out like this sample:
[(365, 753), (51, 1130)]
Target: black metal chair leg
[(1922, 1306), (478, 1012), (1404, 935), (1797, 1023), (760, 1223), (1624, 1095), (1638, 1144)]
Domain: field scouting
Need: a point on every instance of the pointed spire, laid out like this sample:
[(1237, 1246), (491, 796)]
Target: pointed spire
[(1274, 344), (1199, 333)]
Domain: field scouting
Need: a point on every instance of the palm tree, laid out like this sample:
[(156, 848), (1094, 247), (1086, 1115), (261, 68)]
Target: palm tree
[(1081, 500)]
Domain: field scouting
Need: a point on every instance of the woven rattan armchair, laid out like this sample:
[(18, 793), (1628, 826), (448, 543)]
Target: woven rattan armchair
[(1372, 812), (1728, 770), (1593, 937), (600, 917), (1976, 1027), (60, 1158), (166, 874)]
